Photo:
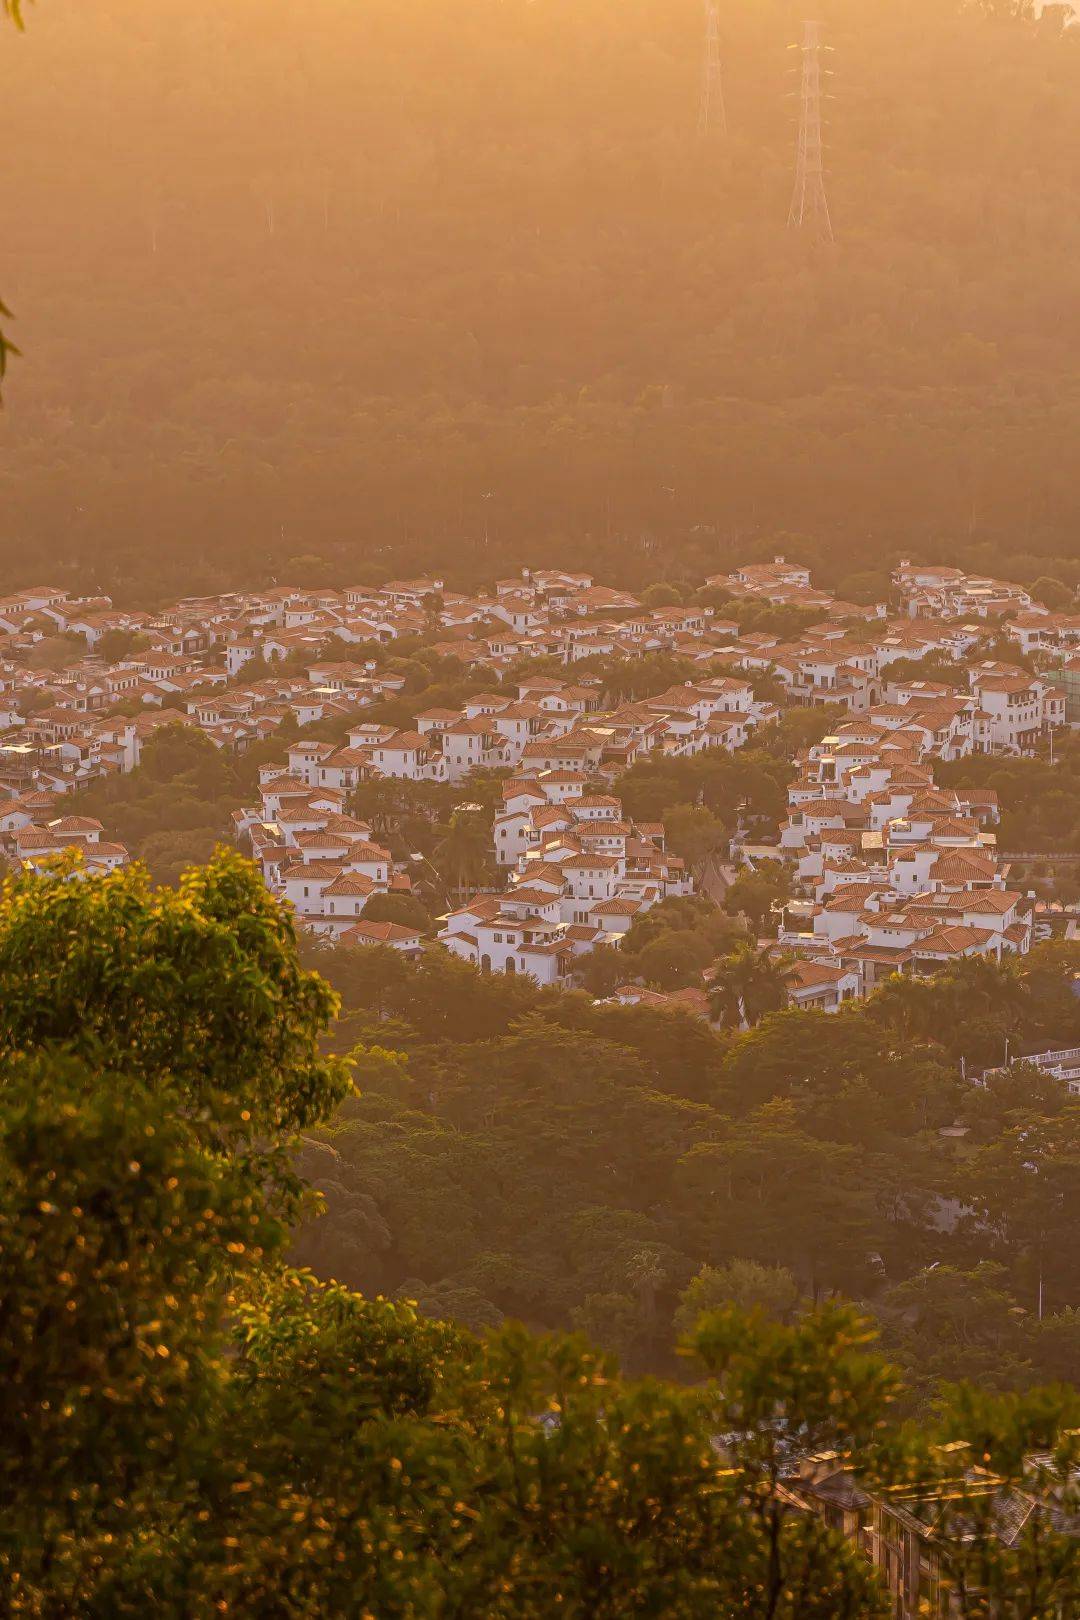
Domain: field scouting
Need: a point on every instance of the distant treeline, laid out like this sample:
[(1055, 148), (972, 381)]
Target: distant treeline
[(418, 283)]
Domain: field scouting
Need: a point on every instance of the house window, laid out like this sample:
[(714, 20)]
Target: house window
[(498, 939)]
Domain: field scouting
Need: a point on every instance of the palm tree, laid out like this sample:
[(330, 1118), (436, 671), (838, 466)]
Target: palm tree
[(747, 984), (974, 998), (461, 857), (903, 1002)]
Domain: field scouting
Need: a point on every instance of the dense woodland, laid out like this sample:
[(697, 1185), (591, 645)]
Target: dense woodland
[(452, 284), (189, 1426), (529, 1153)]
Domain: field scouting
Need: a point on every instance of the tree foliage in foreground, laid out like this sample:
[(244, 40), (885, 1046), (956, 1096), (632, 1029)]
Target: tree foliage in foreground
[(196, 992), (188, 1427), (187, 1432)]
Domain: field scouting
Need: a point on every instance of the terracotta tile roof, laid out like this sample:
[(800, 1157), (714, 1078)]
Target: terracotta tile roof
[(349, 883), (953, 940), (807, 975), (377, 933)]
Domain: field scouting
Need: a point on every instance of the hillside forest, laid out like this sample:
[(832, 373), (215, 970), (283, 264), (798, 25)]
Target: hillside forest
[(405, 285), (536, 1155), (189, 1425)]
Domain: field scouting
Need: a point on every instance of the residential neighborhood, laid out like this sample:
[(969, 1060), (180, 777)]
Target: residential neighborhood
[(888, 871)]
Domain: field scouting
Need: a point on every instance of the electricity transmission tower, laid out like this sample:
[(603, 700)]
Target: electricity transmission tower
[(712, 115), (809, 204)]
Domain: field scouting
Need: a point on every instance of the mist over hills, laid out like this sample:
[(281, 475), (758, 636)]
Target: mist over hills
[(399, 284)]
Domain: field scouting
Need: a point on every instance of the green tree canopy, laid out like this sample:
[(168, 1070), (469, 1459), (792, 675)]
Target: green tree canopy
[(747, 984), (196, 992), (754, 893), (403, 909), (741, 1284)]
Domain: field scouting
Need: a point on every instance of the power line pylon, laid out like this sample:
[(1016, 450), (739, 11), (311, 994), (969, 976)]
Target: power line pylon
[(712, 114), (809, 204)]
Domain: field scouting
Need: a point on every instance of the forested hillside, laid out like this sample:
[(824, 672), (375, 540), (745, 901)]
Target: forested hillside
[(530, 1153), (189, 1426), (371, 281)]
